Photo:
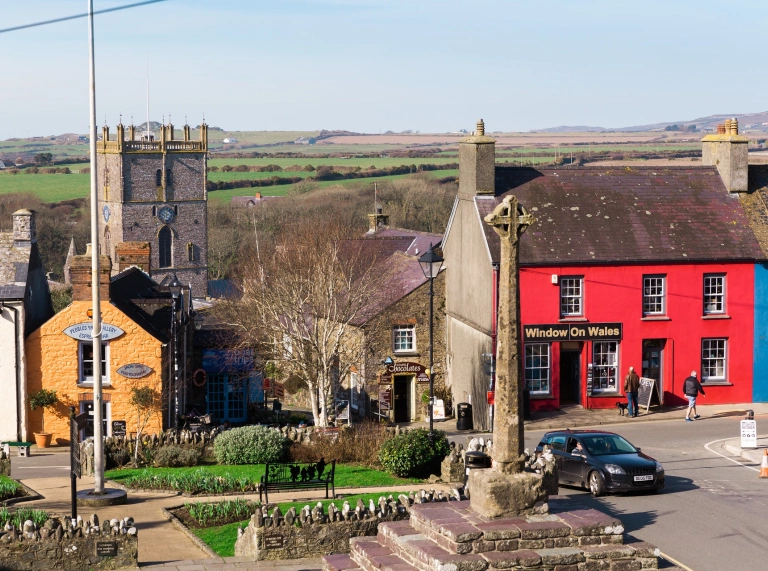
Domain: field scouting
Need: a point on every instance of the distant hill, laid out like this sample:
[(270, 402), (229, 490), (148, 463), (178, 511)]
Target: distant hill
[(752, 122)]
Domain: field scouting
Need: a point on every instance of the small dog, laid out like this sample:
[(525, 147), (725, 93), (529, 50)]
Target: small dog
[(622, 406)]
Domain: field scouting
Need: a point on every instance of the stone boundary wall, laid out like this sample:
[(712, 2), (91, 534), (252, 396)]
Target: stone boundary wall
[(59, 544), (312, 532)]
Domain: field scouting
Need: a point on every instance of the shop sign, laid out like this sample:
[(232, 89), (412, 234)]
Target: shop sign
[(228, 360), (385, 398), (406, 368), (438, 410), (119, 428), (573, 332), (83, 331), (134, 370)]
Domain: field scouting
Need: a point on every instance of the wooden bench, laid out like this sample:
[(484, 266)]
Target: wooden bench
[(22, 448), (298, 476)]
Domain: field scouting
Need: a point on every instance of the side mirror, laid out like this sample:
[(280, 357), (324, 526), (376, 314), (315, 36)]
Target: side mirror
[(637, 448), (577, 453)]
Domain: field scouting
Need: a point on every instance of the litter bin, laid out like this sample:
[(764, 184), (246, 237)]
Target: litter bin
[(464, 416), (526, 404), (472, 461)]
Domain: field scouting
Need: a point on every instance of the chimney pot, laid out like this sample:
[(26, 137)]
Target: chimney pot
[(480, 128), (734, 126)]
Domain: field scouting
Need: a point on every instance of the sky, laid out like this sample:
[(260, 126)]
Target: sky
[(376, 65)]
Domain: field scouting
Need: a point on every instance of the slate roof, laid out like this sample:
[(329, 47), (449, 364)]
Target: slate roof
[(637, 214), (138, 296)]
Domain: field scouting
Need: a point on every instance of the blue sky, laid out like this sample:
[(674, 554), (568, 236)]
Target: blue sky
[(376, 65)]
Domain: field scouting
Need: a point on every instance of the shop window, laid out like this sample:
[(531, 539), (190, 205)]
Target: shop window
[(654, 295), (713, 360), (537, 368), (714, 293), (571, 296), (404, 338), (85, 358), (605, 369)]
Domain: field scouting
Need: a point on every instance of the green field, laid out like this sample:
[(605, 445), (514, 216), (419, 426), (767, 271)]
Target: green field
[(378, 162), (49, 187)]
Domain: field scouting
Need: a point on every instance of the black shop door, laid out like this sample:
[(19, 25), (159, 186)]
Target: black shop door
[(402, 399), (570, 377)]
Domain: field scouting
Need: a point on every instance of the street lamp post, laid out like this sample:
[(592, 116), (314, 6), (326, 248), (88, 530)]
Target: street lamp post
[(175, 289), (431, 263)]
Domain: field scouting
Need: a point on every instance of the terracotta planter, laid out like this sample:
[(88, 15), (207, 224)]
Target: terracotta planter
[(43, 439)]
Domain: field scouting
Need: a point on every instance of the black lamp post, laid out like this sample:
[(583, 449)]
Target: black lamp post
[(430, 264), (175, 288)]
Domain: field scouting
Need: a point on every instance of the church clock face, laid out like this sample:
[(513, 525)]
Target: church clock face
[(165, 214)]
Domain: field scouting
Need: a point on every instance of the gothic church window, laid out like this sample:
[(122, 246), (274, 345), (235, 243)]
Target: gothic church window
[(190, 252), (168, 177), (165, 241), (159, 177)]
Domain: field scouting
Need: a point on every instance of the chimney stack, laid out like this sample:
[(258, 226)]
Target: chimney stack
[(80, 276), (477, 164), (24, 229), (130, 254), (727, 150), (377, 220)]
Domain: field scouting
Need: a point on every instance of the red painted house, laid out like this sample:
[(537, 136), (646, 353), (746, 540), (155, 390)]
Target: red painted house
[(650, 267)]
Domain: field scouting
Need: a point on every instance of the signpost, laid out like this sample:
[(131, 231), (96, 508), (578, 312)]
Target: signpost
[(749, 434), (76, 424)]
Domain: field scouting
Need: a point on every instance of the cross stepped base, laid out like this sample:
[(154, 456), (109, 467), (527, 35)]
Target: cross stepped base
[(451, 536)]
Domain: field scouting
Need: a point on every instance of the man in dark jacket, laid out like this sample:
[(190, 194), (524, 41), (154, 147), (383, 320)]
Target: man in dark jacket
[(631, 387), (691, 389)]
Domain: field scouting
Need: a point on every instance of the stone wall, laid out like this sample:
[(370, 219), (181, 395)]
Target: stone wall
[(60, 545), (312, 532)]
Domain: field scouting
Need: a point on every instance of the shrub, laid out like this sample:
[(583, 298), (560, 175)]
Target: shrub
[(85, 170), (358, 444), (411, 454), (249, 445), (117, 457), (176, 456)]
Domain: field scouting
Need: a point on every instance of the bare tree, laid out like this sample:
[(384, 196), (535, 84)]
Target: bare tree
[(302, 303), (147, 402)]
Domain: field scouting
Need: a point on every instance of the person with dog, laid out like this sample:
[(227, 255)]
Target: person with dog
[(691, 389), (631, 388)]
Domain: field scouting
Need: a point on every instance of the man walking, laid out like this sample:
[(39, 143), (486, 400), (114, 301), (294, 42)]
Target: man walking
[(691, 389), (631, 386)]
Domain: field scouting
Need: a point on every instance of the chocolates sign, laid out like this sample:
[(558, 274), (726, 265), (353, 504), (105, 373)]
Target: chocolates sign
[(84, 331), (406, 368)]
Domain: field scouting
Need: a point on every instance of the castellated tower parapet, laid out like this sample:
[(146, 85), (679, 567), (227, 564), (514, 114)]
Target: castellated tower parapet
[(153, 189)]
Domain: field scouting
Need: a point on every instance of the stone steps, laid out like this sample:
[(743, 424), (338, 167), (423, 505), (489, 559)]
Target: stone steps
[(339, 562), (371, 555)]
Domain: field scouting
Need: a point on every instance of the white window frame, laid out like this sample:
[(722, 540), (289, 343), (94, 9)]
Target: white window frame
[(652, 295), (567, 282), (541, 363), (354, 383), (605, 372), (707, 290), (82, 380), (722, 343), (398, 328)]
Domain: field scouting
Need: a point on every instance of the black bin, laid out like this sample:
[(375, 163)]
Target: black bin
[(464, 416), (472, 461)]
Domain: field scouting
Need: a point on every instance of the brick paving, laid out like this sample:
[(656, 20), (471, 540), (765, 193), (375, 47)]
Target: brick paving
[(239, 563)]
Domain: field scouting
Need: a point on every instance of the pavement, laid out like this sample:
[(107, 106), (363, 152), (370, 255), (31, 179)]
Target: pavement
[(163, 547)]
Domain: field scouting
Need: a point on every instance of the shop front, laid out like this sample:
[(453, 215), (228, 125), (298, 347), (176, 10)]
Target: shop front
[(402, 388)]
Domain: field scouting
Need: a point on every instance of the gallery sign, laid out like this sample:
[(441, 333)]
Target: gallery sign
[(406, 368), (134, 370), (573, 332), (84, 331)]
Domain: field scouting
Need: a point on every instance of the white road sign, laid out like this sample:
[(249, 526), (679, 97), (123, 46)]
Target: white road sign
[(748, 434)]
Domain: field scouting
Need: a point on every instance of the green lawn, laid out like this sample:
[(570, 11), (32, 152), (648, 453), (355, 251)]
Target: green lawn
[(49, 187), (227, 176), (222, 538), (346, 476)]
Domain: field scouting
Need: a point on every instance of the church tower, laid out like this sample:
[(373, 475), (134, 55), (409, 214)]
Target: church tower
[(153, 190)]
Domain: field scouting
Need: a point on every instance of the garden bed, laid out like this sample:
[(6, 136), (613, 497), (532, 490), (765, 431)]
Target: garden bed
[(226, 479), (12, 491), (221, 520)]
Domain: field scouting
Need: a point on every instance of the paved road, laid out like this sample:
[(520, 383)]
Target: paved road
[(712, 514)]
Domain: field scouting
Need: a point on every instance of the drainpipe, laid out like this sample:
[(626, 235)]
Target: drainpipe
[(494, 325), (18, 365)]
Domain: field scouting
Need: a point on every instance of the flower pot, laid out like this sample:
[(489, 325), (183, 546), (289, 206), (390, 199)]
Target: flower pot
[(43, 439)]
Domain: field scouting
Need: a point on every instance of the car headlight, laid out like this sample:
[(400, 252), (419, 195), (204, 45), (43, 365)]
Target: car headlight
[(614, 469), (659, 467)]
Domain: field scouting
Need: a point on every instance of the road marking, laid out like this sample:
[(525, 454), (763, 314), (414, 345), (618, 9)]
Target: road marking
[(727, 457), (675, 561)]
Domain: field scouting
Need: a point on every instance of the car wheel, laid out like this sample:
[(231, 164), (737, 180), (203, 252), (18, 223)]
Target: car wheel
[(596, 485)]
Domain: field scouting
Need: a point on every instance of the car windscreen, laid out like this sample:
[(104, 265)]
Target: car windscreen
[(606, 444)]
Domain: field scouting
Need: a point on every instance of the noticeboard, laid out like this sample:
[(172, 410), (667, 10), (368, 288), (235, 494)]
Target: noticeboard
[(106, 548), (645, 392), (749, 434), (590, 376), (119, 428), (385, 397), (438, 410)]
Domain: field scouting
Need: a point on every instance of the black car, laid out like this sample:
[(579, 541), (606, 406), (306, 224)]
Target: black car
[(602, 461)]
